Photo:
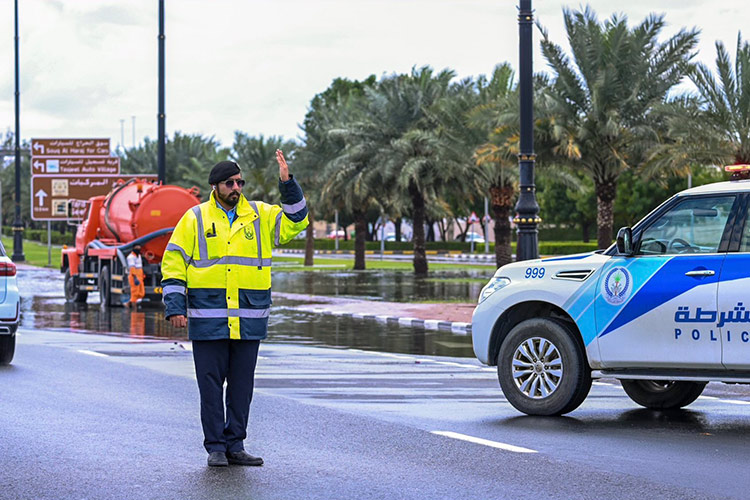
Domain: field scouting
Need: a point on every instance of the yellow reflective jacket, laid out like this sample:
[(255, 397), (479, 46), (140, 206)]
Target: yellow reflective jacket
[(220, 276)]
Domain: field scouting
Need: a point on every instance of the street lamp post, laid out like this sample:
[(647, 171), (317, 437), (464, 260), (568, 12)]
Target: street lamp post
[(162, 114), (527, 209), (18, 255)]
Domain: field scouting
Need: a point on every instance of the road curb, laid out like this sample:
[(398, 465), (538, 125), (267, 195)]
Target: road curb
[(457, 327)]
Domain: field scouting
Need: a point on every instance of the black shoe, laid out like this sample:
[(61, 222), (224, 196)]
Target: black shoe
[(243, 458), (217, 459)]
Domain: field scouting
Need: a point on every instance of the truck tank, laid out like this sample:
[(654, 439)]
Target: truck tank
[(137, 208)]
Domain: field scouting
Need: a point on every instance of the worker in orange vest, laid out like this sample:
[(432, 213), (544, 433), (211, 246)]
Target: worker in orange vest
[(135, 276)]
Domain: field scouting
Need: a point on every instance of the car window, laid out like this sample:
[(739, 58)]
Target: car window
[(693, 225), (745, 242)]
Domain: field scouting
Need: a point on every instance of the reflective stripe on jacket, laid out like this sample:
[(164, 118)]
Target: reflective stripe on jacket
[(220, 276)]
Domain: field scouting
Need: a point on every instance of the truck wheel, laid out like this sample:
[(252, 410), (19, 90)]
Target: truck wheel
[(662, 394), (105, 292), (71, 293), (542, 369), (7, 348)]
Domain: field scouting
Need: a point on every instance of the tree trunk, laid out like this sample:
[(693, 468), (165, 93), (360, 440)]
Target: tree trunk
[(501, 198), (462, 231), (310, 240), (420, 255), (430, 229), (605, 198), (586, 230), (397, 232), (360, 234)]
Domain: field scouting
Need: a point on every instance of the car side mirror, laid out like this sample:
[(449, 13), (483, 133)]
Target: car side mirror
[(625, 241)]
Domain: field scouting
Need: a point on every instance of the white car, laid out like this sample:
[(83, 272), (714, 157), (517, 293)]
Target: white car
[(665, 310), (475, 237), (10, 307)]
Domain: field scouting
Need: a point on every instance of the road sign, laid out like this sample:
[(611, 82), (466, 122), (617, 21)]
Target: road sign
[(473, 218), (53, 194), (75, 166), (69, 147)]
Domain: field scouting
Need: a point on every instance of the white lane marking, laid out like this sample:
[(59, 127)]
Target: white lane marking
[(451, 363), (735, 402), (92, 353), (394, 356), (485, 442), (707, 397)]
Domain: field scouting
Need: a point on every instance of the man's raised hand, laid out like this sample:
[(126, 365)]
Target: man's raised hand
[(283, 167)]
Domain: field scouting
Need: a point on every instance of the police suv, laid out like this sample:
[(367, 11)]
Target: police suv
[(665, 310)]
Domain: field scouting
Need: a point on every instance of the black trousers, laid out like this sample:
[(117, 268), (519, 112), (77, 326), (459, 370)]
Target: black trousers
[(215, 362)]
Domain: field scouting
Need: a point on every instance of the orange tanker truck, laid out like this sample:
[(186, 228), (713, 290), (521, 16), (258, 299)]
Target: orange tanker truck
[(136, 212)]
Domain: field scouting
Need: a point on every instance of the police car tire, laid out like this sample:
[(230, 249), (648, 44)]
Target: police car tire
[(7, 348), (662, 395), (575, 383)]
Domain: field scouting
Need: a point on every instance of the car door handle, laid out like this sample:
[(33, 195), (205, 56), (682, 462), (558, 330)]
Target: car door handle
[(702, 272)]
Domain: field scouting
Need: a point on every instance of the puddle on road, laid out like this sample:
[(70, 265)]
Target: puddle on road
[(43, 306), (393, 286)]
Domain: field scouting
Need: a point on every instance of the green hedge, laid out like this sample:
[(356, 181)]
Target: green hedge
[(40, 235), (545, 247)]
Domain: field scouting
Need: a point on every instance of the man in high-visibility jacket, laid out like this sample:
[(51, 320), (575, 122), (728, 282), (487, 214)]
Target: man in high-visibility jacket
[(217, 281), (135, 277)]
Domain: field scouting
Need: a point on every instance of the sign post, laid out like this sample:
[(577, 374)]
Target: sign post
[(472, 219)]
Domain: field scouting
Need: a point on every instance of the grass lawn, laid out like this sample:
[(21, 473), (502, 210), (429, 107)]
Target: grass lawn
[(35, 252)]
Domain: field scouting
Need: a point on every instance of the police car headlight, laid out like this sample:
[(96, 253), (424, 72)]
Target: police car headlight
[(493, 286)]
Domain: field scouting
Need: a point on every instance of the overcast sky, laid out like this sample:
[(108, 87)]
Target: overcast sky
[(254, 65)]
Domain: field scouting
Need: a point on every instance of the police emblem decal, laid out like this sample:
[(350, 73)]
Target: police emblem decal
[(617, 285), (249, 233)]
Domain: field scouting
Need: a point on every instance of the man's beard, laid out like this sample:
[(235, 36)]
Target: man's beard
[(231, 199)]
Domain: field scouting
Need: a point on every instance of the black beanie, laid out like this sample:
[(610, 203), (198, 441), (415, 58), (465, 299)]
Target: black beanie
[(223, 171)]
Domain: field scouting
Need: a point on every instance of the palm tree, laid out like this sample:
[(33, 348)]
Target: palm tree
[(712, 126), (496, 116), (601, 99), (727, 102), (414, 154), (333, 153), (257, 158), (189, 158)]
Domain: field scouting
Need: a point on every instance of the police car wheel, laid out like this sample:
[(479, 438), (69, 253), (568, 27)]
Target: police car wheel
[(542, 369), (662, 394)]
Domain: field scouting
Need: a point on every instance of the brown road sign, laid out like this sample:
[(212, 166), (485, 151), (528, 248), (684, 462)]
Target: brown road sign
[(51, 195), (75, 166), (69, 147)]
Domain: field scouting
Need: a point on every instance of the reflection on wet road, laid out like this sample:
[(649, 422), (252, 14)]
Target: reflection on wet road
[(43, 306), (390, 286)]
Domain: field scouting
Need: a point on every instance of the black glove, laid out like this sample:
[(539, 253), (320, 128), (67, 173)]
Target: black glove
[(137, 281)]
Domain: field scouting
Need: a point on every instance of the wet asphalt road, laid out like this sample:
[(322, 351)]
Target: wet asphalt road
[(96, 406), (92, 416)]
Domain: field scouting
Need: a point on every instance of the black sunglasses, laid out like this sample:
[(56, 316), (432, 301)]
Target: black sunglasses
[(230, 183)]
